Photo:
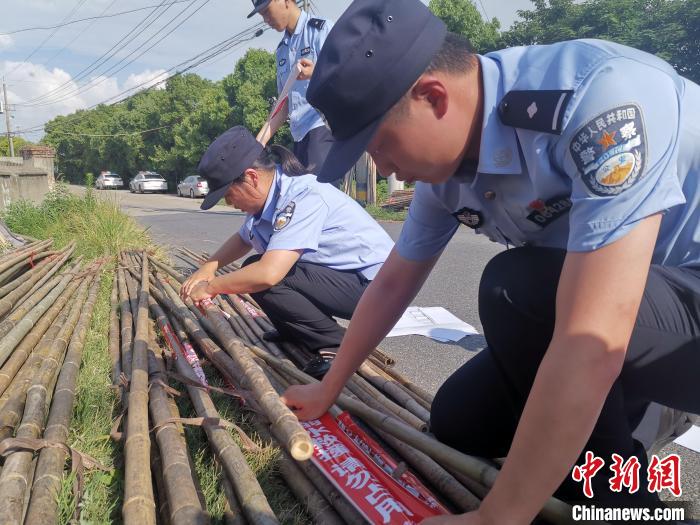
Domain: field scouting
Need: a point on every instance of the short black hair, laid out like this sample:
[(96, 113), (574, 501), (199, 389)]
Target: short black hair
[(455, 57)]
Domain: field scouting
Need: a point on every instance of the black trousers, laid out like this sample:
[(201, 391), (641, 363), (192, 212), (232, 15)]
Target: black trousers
[(302, 305), (313, 149), (478, 408)]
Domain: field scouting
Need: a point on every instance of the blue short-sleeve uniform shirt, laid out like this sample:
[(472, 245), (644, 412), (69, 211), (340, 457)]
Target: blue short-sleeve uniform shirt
[(580, 141), (306, 42), (329, 227)]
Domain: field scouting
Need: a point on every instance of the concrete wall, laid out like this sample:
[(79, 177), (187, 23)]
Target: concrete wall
[(29, 177)]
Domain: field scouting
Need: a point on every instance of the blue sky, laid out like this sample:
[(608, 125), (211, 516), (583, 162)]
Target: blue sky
[(58, 57)]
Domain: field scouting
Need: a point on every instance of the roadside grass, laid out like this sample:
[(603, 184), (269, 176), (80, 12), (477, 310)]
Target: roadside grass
[(102, 230), (97, 225), (381, 214)]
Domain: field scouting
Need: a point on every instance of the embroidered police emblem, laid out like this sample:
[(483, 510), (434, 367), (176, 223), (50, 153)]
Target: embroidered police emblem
[(543, 213), (610, 150), (282, 62), (471, 218), (284, 217), (305, 51)]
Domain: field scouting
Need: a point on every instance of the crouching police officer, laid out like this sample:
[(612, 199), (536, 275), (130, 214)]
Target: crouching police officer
[(582, 157), (317, 248), (301, 43)]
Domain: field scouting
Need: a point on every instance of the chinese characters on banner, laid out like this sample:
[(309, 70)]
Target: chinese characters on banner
[(662, 474), (359, 468)]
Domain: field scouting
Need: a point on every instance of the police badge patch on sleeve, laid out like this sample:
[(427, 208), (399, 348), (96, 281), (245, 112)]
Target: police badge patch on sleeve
[(471, 218), (610, 150), (284, 217)]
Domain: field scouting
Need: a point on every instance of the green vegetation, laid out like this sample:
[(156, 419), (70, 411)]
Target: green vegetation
[(17, 142), (382, 214), (667, 28)]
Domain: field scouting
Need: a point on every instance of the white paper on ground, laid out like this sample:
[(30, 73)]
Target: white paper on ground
[(691, 439), (434, 322)]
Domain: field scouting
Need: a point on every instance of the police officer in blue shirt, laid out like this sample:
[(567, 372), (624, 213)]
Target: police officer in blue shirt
[(301, 43), (317, 248), (582, 158)]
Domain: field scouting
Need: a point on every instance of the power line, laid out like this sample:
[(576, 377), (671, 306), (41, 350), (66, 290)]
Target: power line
[(71, 22), (80, 33), (96, 82), (102, 58), (37, 48), (225, 46), (486, 15), (109, 135)]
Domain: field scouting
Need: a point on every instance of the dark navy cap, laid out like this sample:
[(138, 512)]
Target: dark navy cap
[(370, 59), (225, 161), (258, 5)]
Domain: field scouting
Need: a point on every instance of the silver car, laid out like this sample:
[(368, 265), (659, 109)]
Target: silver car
[(193, 186), (148, 181), (107, 180)]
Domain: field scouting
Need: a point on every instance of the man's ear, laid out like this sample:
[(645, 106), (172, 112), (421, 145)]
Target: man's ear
[(431, 90)]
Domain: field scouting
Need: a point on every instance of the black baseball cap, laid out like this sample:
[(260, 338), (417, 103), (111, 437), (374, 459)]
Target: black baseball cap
[(258, 5), (370, 59), (225, 161)]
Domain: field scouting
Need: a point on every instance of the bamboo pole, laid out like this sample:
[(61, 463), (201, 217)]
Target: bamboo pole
[(453, 460), (178, 481), (14, 478), (126, 321), (388, 387), (42, 281), (10, 341), (24, 254), (21, 311), (20, 274), (297, 441), (139, 504), (247, 489), (8, 302), (22, 352), (403, 380), (114, 344), (43, 504)]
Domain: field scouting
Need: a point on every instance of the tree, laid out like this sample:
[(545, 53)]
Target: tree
[(18, 143), (669, 29), (250, 89), (463, 18)]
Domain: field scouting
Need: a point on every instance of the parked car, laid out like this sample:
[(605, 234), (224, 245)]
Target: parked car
[(107, 180), (193, 186), (148, 181)]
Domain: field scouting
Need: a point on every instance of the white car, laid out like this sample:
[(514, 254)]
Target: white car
[(107, 180), (193, 186), (148, 181)]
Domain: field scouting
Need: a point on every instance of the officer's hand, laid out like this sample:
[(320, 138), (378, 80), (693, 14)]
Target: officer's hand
[(206, 273), (307, 69), (199, 293), (307, 401)]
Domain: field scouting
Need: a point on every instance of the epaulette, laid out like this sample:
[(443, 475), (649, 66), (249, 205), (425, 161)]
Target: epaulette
[(537, 110), (317, 23)]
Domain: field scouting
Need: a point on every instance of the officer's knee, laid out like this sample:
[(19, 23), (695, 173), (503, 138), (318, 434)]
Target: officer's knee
[(252, 259)]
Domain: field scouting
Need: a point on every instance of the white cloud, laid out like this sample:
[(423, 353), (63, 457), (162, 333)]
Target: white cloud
[(147, 78), (38, 94), (6, 41)]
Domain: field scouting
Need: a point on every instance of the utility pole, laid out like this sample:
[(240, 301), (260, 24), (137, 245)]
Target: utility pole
[(7, 119)]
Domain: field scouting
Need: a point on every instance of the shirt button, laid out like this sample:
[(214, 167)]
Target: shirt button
[(489, 195)]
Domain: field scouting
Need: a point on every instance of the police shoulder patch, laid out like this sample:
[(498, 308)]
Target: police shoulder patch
[(283, 218), (317, 23), (305, 51), (282, 62), (610, 150)]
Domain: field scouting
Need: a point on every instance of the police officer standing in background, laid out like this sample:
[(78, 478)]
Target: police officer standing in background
[(582, 157), (317, 248), (302, 41)]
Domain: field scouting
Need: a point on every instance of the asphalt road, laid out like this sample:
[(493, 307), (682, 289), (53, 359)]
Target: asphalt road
[(174, 221)]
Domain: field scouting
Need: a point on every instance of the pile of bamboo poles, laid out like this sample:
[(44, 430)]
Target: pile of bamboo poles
[(228, 334), (46, 303), (398, 200)]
